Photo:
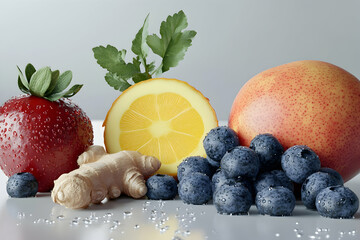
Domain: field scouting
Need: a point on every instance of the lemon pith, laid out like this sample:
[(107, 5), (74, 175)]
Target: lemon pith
[(165, 118)]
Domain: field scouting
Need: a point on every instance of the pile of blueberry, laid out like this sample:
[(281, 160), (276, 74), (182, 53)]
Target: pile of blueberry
[(235, 177)]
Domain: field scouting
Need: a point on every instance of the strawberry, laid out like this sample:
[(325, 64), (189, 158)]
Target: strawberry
[(43, 132)]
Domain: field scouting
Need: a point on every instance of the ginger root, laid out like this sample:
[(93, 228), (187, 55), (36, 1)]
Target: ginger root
[(102, 175)]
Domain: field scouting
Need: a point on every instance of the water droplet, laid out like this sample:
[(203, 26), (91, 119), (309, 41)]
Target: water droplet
[(277, 234), (87, 221), (176, 238), (136, 226), (298, 235), (164, 229), (74, 223), (127, 213), (21, 215), (113, 227)]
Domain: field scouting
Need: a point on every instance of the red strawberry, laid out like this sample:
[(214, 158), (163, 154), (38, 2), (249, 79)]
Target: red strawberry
[(43, 133)]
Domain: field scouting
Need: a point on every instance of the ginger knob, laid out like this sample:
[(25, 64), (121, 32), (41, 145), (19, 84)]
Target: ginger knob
[(102, 175)]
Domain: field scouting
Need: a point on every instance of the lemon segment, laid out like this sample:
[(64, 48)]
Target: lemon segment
[(165, 118)]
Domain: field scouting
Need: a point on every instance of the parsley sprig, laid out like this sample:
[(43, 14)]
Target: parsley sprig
[(171, 46)]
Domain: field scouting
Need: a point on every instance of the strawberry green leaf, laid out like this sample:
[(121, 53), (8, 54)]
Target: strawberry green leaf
[(139, 46), (62, 82), (22, 87), (116, 81), (29, 71), (71, 92), (40, 82), (54, 78), (24, 82), (173, 42)]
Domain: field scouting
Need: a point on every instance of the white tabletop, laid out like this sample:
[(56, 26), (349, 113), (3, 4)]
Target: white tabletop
[(126, 218)]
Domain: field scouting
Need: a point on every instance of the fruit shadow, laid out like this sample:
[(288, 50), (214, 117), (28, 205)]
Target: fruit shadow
[(110, 204)]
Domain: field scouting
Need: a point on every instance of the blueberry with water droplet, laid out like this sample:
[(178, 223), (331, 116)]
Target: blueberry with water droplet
[(333, 173), (272, 179), (162, 187), (240, 161), (314, 184), (269, 150), (220, 179), (194, 164), (195, 188), (299, 162), (218, 141), (232, 198), (275, 201), (22, 185), (337, 202)]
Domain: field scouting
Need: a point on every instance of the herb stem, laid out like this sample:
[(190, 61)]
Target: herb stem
[(143, 61)]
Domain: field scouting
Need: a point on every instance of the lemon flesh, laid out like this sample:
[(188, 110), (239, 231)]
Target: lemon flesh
[(165, 118)]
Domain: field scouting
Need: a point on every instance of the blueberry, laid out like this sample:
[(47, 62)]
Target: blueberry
[(220, 179), (232, 198), (214, 164), (334, 173), (273, 178), (314, 184), (195, 188), (22, 185), (194, 164), (275, 201), (269, 151), (218, 141), (337, 202), (299, 162), (240, 161), (162, 187)]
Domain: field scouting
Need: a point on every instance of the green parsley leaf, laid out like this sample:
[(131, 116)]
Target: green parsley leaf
[(116, 82), (113, 60), (139, 46), (173, 42), (171, 47)]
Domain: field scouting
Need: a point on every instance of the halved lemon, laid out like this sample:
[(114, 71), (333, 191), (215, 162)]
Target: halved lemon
[(165, 118)]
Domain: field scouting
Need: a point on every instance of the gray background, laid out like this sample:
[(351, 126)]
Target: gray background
[(235, 41)]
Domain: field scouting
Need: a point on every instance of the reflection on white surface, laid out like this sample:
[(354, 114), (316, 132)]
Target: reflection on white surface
[(126, 218)]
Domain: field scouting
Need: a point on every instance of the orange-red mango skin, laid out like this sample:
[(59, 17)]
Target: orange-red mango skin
[(308, 102)]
